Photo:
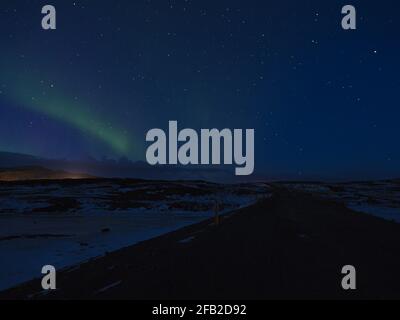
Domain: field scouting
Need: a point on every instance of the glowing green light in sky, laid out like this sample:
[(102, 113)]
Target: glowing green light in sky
[(75, 115), (47, 100)]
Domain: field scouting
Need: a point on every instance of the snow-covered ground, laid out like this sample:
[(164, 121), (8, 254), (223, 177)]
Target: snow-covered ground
[(379, 198), (66, 223)]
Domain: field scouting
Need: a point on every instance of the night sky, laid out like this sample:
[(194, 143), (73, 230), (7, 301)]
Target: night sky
[(324, 102)]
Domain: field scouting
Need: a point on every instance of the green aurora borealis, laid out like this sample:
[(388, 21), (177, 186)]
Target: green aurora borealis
[(44, 98)]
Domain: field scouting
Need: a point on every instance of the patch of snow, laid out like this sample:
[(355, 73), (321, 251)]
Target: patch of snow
[(23, 258), (392, 214)]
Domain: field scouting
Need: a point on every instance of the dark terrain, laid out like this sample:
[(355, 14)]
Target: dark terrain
[(292, 245), (38, 173)]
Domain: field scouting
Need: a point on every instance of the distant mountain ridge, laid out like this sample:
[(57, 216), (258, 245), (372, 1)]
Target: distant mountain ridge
[(38, 173), (124, 168)]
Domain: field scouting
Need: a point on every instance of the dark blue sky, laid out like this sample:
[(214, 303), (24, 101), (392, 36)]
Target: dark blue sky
[(323, 101)]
